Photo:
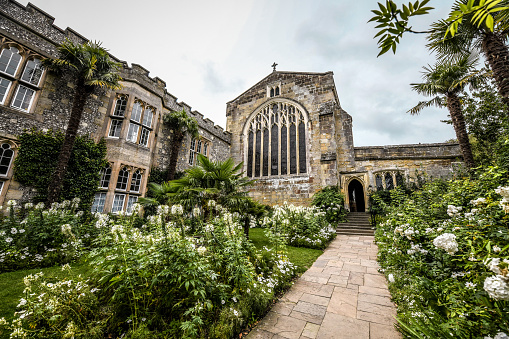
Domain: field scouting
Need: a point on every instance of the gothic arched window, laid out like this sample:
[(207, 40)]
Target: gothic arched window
[(276, 140), (6, 155)]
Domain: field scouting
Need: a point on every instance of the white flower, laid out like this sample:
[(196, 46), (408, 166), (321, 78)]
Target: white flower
[(66, 229), (496, 249), (22, 302), (478, 201), (390, 277), (446, 241), (497, 287), (11, 203), (177, 210), (453, 210), (21, 230), (39, 206), (501, 335), (8, 240), (222, 302), (201, 250), (234, 299), (470, 285), (196, 212), (14, 231), (493, 264)]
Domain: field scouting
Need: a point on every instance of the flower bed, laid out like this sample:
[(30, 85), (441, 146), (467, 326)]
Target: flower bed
[(158, 280), (298, 226), (445, 251)]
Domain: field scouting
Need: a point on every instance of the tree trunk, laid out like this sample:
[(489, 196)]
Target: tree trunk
[(458, 121), (497, 53), (80, 97), (174, 155)]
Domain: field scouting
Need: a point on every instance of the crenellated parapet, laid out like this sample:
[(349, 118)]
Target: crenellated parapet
[(408, 152)]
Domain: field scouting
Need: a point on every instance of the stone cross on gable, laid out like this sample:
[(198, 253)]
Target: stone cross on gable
[(274, 67)]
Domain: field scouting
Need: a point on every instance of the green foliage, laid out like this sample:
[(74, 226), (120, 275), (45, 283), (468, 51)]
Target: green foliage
[(331, 201), (181, 123), (89, 62), (37, 158), (487, 123), (298, 226), (44, 237), (393, 22), (439, 247)]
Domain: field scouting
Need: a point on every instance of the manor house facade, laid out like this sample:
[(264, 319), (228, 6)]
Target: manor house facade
[(289, 129)]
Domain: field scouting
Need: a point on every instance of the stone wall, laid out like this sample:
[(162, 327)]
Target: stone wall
[(316, 93)]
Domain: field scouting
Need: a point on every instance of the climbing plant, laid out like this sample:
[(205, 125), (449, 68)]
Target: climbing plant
[(38, 156)]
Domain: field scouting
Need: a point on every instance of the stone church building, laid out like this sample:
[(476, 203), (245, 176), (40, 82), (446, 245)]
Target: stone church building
[(289, 129)]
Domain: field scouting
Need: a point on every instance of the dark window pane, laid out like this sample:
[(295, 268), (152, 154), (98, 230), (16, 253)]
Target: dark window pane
[(277, 90), (302, 148), (258, 153), (379, 185), (399, 179), (293, 153), (271, 92), (389, 184), (265, 151), (284, 150), (274, 150), (250, 155)]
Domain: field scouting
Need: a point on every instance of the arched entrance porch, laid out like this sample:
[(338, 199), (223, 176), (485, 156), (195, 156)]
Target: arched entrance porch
[(356, 196)]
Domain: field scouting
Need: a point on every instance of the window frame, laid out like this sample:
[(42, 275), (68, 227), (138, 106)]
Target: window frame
[(102, 197), (17, 78), (196, 147)]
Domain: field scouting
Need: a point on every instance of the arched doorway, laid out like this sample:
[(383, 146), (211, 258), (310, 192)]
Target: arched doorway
[(356, 196)]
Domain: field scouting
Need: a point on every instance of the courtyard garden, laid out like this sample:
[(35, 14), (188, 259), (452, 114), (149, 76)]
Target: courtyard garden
[(193, 268)]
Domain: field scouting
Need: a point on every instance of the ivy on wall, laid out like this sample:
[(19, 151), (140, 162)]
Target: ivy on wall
[(38, 156)]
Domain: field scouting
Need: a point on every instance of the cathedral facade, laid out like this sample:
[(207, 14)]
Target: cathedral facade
[(289, 129)]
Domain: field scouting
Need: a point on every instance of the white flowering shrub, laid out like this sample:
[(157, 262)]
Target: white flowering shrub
[(43, 237), (331, 201), (445, 251), (298, 226), (49, 309)]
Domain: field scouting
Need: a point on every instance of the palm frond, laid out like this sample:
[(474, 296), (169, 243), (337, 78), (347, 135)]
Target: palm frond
[(436, 101)]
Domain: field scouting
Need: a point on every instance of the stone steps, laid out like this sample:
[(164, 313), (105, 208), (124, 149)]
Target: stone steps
[(358, 223)]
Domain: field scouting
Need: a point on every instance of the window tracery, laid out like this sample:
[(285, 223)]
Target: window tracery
[(19, 90), (276, 140), (388, 180), (198, 146)]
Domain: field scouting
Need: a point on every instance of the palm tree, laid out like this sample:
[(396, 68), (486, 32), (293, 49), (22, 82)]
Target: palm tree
[(212, 180), (479, 39), (91, 67), (445, 81), (180, 123)]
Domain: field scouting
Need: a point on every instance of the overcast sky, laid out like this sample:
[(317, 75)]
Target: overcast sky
[(209, 52)]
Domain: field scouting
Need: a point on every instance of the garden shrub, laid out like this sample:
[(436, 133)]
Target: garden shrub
[(161, 280), (331, 201), (44, 237), (445, 251), (37, 158), (298, 226)]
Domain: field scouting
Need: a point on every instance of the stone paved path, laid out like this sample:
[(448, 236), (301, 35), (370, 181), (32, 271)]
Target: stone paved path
[(341, 296)]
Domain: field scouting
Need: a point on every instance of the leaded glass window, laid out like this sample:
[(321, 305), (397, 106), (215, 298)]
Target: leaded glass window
[(123, 178), (98, 204), (10, 60), (130, 202), (23, 98), (115, 128), (4, 88), (198, 146), (105, 177), (33, 72), (135, 181), (120, 106), (389, 183), (276, 140), (379, 182), (6, 155), (140, 125), (118, 203)]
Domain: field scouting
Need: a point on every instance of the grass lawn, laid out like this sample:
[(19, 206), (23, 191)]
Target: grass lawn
[(302, 257)]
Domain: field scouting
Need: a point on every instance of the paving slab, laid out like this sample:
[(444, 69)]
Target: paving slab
[(342, 295)]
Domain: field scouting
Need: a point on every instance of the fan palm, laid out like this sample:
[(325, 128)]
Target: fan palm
[(180, 123), (480, 39), (444, 82), (91, 67)]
